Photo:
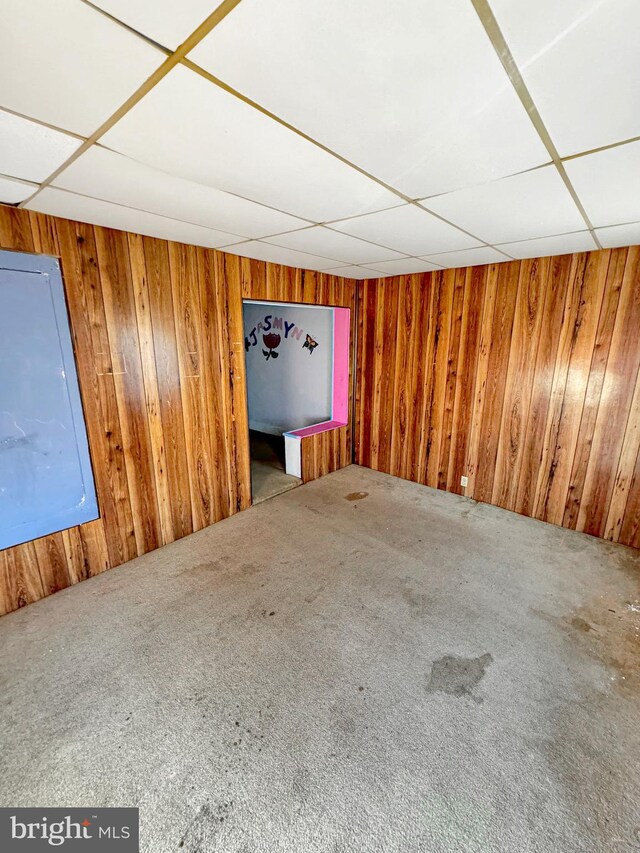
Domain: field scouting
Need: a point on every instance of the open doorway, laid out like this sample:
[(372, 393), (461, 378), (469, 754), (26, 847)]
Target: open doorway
[(268, 466), (291, 374)]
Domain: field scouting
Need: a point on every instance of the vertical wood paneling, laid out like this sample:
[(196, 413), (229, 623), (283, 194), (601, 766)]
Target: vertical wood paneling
[(615, 403), (527, 383), (159, 344)]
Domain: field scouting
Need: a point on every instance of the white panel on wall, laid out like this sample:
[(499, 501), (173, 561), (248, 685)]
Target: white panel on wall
[(289, 385)]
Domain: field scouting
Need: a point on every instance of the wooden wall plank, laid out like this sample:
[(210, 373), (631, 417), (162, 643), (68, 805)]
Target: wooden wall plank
[(117, 289), (160, 295), (498, 361), (615, 404)]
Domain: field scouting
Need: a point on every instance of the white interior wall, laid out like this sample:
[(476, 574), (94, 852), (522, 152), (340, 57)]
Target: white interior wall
[(293, 387)]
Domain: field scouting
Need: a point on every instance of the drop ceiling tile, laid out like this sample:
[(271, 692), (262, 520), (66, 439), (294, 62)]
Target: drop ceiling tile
[(105, 174), (165, 21), (187, 126), (608, 184), (412, 92), (12, 192), (581, 64), (68, 65), (31, 151), (532, 204), (405, 266), (619, 235), (323, 241), (560, 244), (72, 206), (407, 229), (277, 255), (468, 258), (359, 273)]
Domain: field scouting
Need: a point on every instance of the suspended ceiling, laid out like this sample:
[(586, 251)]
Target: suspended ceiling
[(362, 137)]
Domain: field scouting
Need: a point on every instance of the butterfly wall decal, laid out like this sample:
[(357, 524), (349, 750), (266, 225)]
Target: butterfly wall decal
[(310, 344)]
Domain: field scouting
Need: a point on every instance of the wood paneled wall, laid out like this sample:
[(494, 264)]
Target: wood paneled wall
[(158, 338), (522, 376)]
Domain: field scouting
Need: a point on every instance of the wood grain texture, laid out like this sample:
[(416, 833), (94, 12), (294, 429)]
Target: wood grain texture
[(158, 339), (522, 376)]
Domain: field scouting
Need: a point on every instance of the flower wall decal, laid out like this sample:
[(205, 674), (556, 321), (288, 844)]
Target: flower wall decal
[(272, 342)]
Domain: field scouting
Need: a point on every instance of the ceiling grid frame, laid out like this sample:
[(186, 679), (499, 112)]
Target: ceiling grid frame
[(179, 56)]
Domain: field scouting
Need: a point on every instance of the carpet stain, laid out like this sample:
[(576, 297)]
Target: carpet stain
[(457, 676), (356, 496)]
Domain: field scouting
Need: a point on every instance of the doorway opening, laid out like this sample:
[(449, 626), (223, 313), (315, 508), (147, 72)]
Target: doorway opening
[(268, 466), (296, 362)]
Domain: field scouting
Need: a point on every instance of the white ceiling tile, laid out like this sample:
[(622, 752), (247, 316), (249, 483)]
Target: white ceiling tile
[(560, 244), (408, 229), (68, 65), (105, 174), (165, 21), (405, 266), (360, 273), (533, 204), (31, 151), (412, 92), (323, 241), (12, 192), (468, 257), (580, 61), (608, 184), (187, 126), (619, 235), (278, 255), (72, 206)]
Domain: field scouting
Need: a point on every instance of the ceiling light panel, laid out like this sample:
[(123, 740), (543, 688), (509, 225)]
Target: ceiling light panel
[(278, 255), (560, 244), (13, 192), (354, 272), (323, 241), (608, 184), (408, 229), (405, 266), (71, 206), (64, 63), (619, 235), (468, 258), (412, 92), (165, 21), (189, 127), (110, 176), (31, 151), (581, 64), (532, 204)]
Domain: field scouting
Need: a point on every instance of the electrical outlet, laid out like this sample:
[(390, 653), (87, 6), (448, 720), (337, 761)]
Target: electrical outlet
[(464, 481)]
